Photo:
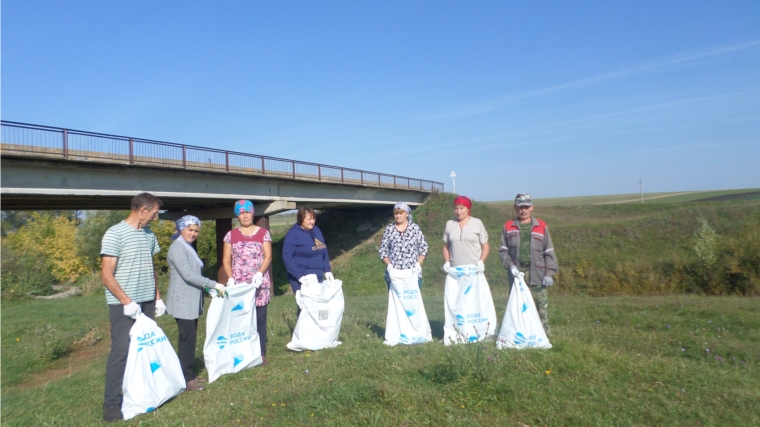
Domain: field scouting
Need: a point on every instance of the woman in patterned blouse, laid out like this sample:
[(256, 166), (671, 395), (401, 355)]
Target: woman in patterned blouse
[(403, 246), (246, 258), (465, 240)]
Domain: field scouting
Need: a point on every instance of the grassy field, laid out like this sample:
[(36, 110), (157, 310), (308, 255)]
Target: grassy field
[(667, 197), (633, 343), (679, 360)]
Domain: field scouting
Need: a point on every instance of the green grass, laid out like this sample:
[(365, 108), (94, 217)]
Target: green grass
[(615, 361), (657, 198)]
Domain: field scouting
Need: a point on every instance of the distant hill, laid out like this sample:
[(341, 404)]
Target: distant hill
[(668, 197)]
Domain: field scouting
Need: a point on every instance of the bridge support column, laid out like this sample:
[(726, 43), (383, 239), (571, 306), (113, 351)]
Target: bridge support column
[(223, 226)]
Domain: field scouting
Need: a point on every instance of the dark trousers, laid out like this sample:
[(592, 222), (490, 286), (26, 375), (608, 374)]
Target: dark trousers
[(117, 359), (261, 327), (188, 333)]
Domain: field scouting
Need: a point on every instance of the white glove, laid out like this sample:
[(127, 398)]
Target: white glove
[(389, 267), (417, 267), (446, 267), (299, 299), (231, 282), (258, 279), (329, 276), (160, 308), (132, 309), (548, 281), (515, 271), (220, 289), (481, 266)]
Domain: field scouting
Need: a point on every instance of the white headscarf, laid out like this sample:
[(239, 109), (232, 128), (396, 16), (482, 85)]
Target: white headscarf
[(404, 206)]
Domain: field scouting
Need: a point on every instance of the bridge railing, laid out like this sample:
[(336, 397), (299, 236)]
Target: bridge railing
[(46, 141)]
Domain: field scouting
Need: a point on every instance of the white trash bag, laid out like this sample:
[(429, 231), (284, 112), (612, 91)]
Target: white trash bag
[(522, 327), (469, 313), (319, 323), (232, 342), (153, 374), (407, 322)]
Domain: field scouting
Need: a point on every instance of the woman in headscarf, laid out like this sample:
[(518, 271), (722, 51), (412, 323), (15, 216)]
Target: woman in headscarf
[(403, 245), (247, 256), (465, 239), (184, 300), (304, 252)]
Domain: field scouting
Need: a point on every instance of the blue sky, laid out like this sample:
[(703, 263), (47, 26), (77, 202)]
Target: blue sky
[(556, 99)]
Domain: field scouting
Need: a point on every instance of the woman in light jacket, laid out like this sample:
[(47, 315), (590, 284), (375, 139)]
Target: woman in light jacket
[(304, 252), (184, 300)]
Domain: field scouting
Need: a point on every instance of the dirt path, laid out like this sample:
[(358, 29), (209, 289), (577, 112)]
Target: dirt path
[(66, 366), (67, 293)]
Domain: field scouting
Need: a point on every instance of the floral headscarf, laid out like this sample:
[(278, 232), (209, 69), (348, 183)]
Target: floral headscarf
[(183, 223), (405, 207), (243, 206)]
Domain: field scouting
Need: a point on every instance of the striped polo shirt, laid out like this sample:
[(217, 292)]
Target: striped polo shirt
[(134, 267)]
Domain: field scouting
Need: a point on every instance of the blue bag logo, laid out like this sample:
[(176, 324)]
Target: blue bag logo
[(237, 359), (472, 338), (151, 409), (519, 339), (403, 339), (410, 313), (460, 320), (221, 341), (154, 365), (467, 290), (524, 307), (239, 306)]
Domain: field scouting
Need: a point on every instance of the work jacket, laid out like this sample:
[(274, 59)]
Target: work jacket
[(543, 261)]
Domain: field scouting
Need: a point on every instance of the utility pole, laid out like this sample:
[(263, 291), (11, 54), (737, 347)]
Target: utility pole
[(453, 181), (641, 191)]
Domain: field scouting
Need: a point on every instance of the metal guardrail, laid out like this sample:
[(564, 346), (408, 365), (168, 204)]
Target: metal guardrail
[(47, 141)]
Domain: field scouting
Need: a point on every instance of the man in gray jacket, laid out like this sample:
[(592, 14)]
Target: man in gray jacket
[(526, 247)]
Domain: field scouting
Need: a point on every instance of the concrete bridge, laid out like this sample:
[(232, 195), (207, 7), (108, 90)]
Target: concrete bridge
[(46, 168)]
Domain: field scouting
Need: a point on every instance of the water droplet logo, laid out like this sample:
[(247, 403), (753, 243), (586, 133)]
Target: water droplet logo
[(467, 290), (524, 307), (239, 306), (519, 339), (221, 342), (472, 338), (237, 359), (154, 365), (460, 320), (410, 313), (403, 339), (151, 409)]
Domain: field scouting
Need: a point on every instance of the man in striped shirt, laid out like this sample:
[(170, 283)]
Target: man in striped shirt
[(130, 278)]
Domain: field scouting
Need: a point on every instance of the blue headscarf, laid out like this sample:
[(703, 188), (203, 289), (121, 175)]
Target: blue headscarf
[(183, 223), (243, 206), (405, 207)]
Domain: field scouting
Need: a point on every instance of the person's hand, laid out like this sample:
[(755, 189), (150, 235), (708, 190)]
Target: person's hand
[(132, 309), (481, 266), (548, 281), (329, 276), (299, 299), (220, 289), (258, 279), (417, 267), (231, 282), (389, 267), (160, 308), (515, 271), (446, 267)]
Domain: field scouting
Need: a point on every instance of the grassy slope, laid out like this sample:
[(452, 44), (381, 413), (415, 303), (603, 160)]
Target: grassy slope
[(666, 197), (615, 361)]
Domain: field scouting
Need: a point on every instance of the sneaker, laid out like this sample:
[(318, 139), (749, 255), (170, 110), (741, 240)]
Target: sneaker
[(193, 385), (111, 413)]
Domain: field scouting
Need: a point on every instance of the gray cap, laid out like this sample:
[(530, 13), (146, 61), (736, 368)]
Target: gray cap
[(523, 199)]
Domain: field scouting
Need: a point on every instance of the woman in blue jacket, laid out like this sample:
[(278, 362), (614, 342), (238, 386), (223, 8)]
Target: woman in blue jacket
[(304, 252)]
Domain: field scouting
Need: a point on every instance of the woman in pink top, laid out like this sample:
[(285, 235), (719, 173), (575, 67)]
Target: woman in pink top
[(247, 256)]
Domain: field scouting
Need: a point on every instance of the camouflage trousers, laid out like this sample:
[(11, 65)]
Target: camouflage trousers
[(541, 301)]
